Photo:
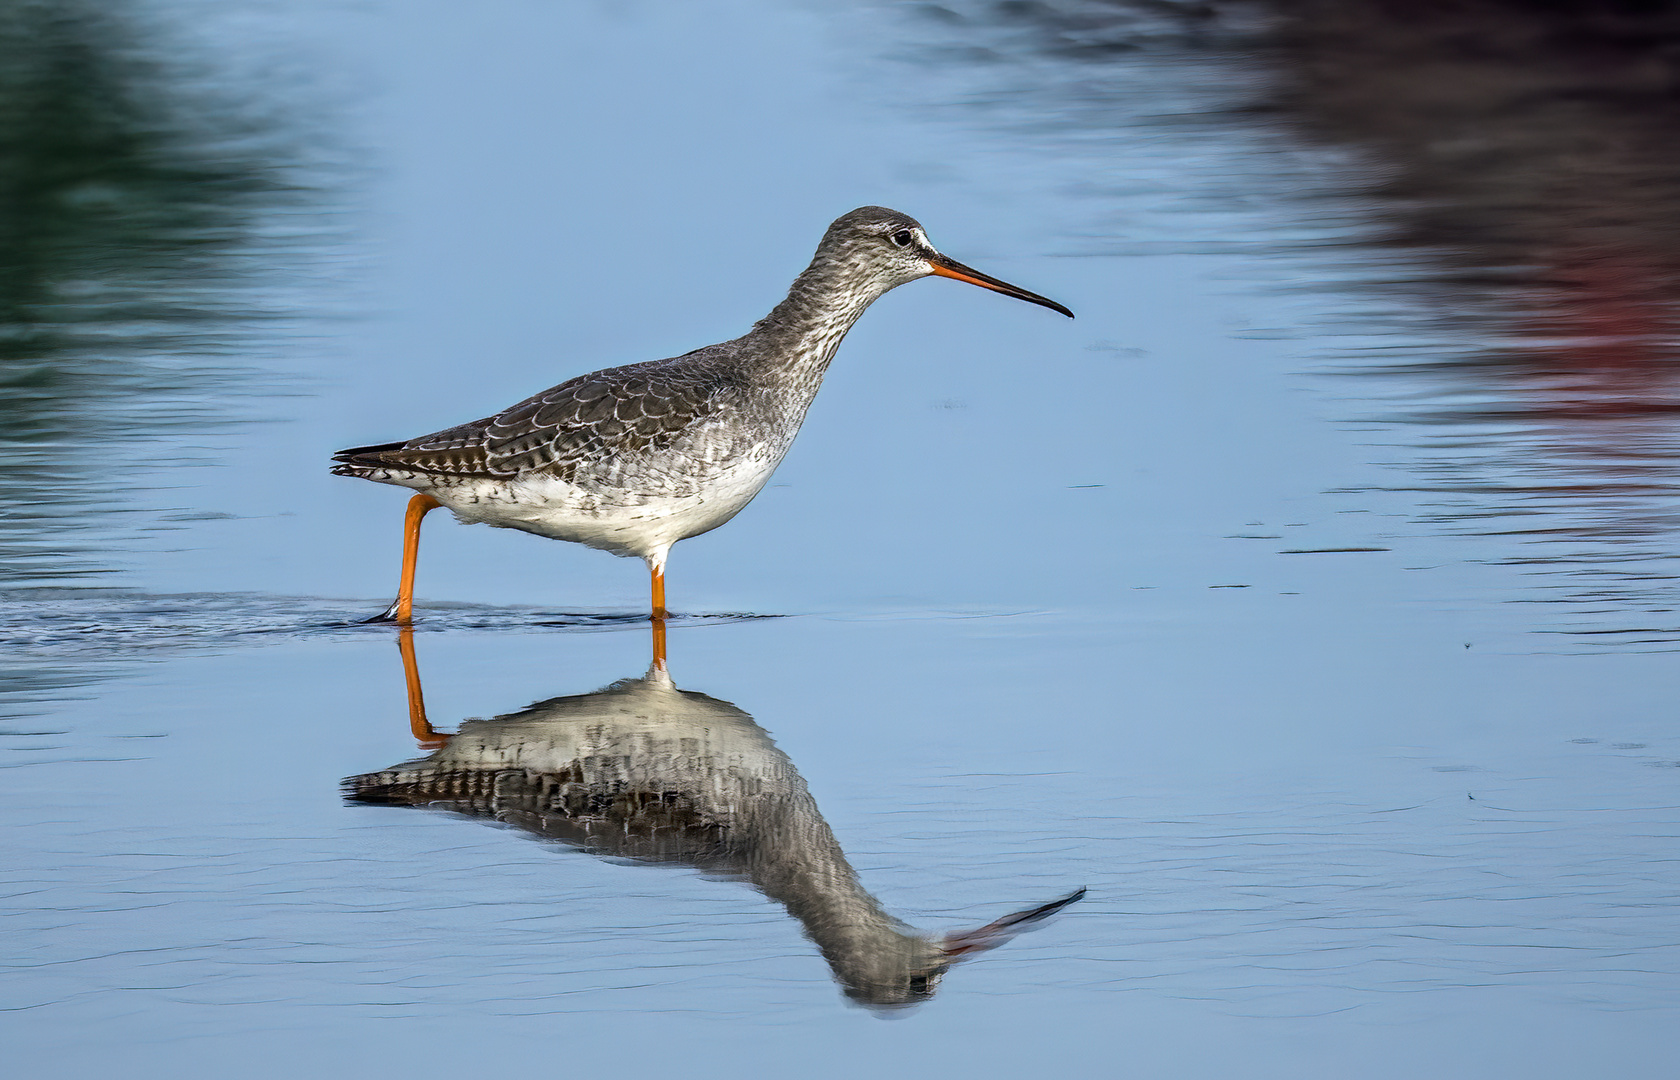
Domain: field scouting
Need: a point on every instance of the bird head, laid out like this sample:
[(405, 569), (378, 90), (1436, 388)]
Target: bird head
[(894, 248)]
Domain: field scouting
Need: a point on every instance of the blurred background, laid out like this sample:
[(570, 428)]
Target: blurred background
[(1311, 597)]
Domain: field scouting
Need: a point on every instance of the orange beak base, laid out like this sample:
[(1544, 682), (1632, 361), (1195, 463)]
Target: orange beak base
[(951, 268)]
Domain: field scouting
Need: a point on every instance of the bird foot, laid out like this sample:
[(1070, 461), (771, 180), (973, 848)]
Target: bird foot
[(388, 615)]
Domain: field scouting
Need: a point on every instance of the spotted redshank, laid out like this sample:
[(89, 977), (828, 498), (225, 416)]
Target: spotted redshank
[(632, 459)]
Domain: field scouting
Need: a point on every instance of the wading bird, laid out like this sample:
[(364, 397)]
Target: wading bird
[(632, 459)]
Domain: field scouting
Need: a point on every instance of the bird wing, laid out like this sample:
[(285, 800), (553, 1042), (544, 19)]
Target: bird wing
[(587, 420)]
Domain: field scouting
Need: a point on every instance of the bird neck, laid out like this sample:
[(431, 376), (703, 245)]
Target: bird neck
[(801, 334), (795, 860)]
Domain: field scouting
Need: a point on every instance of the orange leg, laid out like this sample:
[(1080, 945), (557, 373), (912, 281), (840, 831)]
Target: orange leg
[(658, 644), (658, 571), (402, 609), (417, 722)]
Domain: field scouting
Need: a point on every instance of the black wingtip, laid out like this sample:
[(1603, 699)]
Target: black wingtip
[(350, 456)]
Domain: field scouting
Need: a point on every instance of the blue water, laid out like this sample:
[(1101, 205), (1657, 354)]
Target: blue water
[(1283, 600)]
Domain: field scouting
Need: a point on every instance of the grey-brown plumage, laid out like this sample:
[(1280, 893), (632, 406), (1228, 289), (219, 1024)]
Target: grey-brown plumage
[(646, 771), (606, 428), (632, 459)]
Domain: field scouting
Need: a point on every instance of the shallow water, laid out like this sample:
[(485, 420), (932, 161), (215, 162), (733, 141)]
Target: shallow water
[(1308, 600)]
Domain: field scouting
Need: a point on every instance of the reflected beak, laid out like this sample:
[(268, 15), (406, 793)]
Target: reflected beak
[(951, 268)]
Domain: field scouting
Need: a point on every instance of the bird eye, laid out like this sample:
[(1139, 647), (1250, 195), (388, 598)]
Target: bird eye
[(902, 237)]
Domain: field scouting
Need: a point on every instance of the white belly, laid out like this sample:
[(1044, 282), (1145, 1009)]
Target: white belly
[(619, 520)]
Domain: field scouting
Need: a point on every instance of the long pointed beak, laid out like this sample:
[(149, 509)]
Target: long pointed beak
[(994, 934), (951, 268)]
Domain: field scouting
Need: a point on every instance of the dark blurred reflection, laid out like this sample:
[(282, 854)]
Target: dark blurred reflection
[(1507, 215), (1531, 135), (646, 771), (131, 185), (1526, 150)]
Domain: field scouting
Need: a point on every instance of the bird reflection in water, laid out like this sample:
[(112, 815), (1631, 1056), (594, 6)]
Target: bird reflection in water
[(644, 770)]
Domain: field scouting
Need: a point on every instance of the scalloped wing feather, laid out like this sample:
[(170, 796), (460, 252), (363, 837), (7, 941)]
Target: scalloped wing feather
[(586, 421)]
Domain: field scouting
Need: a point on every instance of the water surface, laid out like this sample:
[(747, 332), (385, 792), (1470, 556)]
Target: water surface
[(1308, 600)]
